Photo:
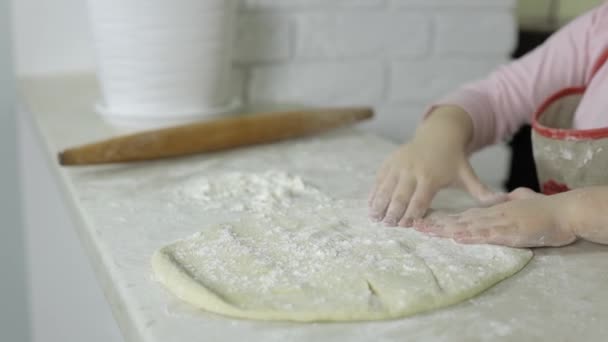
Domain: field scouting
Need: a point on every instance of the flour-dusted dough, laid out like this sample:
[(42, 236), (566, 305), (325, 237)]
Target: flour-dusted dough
[(320, 269)]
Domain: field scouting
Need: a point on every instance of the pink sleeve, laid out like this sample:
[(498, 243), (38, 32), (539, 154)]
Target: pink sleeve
[(507, 99)]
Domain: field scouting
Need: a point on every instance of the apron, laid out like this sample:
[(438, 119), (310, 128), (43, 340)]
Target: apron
[(567, 158)]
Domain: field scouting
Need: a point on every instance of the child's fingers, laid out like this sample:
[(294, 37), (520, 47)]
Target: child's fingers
[(380, 176), (499, 235), (383, 196), (484, 194), (401, 197), (444, 226), (419, 203)]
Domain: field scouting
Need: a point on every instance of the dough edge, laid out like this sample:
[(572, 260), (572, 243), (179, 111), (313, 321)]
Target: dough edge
[(178, 281)]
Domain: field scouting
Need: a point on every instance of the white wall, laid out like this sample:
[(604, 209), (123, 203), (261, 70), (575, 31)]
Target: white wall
[(13, 302), (51, 36), (394, 54), (397, 55)]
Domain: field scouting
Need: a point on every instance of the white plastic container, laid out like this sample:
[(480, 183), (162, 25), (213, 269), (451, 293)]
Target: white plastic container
[(164, 62)]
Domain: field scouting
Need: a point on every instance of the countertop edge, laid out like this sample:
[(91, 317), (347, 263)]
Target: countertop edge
[(102, 272)]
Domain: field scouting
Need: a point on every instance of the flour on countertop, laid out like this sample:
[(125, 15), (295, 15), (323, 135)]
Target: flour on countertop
[(248, 192)]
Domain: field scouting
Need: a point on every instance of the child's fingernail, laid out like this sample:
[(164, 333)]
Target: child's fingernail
[(390, 222), (408, 223)]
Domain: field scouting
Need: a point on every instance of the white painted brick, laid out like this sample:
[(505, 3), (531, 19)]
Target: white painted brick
[(309, 4), (262, 38), (239, 80), (373, 34), (318, 84), (454, 3), (468, 33), (396, 121), (428, 80)]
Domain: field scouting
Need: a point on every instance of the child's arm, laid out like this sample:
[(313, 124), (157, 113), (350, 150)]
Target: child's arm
[(435, 158), (529, 220), (477, 115), (588, 213)]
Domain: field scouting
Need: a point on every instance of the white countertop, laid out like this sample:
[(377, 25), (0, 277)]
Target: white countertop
[(560, 296)]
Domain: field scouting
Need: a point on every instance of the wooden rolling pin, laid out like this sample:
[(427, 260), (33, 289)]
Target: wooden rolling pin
[(213, 135)]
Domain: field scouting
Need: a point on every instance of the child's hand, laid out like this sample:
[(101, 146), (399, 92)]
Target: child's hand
[(528, 220), (409, 179)]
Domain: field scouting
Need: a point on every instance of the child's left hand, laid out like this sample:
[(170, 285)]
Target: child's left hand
[(529, 219)]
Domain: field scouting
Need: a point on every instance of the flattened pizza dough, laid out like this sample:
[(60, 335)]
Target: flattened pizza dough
[(324, 269)]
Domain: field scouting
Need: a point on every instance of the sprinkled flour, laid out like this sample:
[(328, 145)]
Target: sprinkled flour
[(252, 192)]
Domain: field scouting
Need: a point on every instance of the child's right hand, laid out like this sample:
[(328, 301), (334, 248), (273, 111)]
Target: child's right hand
[(436, 158)]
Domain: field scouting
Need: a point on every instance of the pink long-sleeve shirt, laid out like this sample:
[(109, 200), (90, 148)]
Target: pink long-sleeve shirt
[(508, 98)]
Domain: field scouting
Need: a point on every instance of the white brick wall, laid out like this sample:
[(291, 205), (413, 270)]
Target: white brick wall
[(318, 83), (395, 55)]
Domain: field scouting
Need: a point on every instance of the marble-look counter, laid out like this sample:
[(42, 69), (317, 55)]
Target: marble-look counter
[(560, 296)]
